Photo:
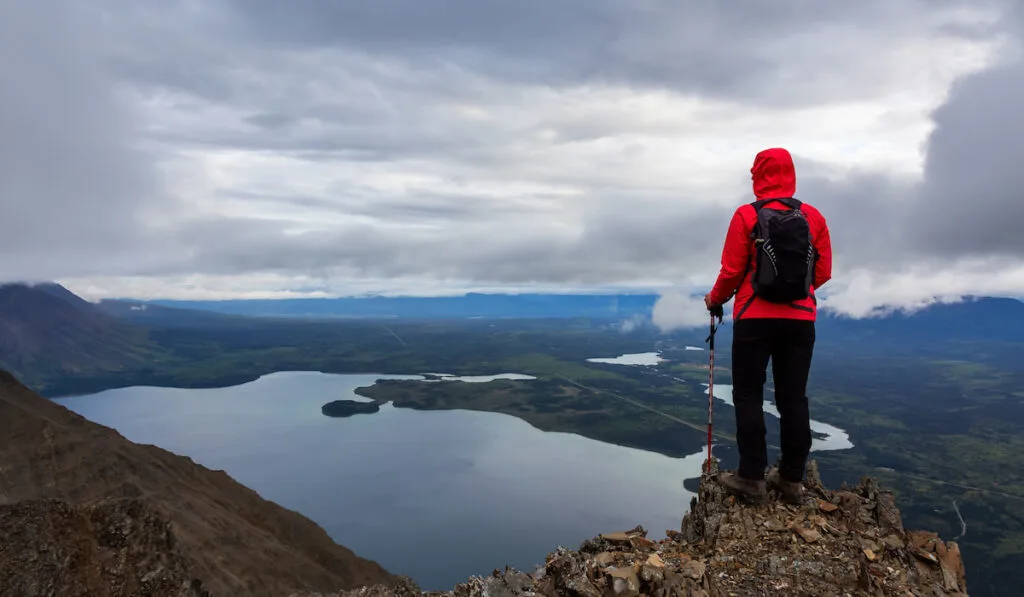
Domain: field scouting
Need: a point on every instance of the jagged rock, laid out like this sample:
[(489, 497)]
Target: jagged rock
[(694, 569), (652, 574), (109, 547), (728, 547), (604, 559), (623, 582), (655, 560), (641, 542), (813, 479)]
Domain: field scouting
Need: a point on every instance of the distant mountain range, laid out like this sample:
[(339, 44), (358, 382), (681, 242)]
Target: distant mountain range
[(445, 307), (510, 306), (986, 318), (975, 318), (48, 333)]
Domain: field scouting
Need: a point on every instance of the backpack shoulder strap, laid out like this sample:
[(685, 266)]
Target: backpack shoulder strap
[(791, 202)]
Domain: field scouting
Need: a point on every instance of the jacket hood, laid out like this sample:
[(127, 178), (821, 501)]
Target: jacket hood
[(773, 174)]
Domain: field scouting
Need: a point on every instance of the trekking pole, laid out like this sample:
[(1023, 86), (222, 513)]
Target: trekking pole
[(711, 383)]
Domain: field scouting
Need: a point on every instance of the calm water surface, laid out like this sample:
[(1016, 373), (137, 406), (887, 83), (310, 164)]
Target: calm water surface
[(435, 495), (833, 438)]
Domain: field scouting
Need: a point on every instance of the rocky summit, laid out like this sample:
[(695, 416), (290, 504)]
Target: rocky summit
[(837, 543)]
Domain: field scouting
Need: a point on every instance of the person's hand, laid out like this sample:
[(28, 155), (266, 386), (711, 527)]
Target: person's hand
[(714, 308)]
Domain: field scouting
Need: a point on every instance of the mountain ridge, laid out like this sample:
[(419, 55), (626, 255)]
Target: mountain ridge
[(46, 329), (225, 534)]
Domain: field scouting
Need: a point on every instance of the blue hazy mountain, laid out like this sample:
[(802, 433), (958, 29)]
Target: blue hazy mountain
[(610, 306), (975, 317)]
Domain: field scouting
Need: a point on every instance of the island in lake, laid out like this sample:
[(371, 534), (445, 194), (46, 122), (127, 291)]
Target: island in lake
[(347, 408)]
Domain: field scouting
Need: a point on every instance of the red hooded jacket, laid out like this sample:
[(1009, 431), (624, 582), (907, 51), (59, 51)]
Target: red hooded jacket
[(774, 176)]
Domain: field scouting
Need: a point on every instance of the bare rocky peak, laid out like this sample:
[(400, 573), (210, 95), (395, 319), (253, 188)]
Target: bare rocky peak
[(839, 543)]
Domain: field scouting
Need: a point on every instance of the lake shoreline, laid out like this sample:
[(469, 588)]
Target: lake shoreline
[(379, 482)]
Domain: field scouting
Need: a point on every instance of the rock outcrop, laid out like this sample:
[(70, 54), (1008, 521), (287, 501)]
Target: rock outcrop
[(110, 547), (838, 543)]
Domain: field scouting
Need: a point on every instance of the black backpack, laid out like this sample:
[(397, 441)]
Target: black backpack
[(784, 252)]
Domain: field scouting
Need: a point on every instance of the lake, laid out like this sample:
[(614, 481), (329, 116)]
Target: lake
[(436, 495), (833, 438)]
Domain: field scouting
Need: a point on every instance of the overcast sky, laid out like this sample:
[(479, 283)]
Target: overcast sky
[(258, 148)]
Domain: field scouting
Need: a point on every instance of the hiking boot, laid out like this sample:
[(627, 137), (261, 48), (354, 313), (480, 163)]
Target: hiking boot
[(751, 489), (792, 493)]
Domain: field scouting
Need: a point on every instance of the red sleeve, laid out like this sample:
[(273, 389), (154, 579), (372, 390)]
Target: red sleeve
[(735, 256), (823, 244)]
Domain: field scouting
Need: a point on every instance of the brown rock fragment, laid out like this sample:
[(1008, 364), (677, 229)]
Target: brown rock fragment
[(693, 569), (925, 556), (951, 564), (623, 582), (922, 540), (809, 535), (604, 559), (641, 542)]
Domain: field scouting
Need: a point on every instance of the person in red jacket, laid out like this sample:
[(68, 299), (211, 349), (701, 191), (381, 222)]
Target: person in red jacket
[(780, 331)]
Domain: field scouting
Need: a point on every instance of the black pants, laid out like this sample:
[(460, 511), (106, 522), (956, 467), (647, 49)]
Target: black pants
[(789, 343)]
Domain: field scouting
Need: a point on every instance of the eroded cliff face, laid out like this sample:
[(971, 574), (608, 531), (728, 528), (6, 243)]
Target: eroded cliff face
[(850, 541)]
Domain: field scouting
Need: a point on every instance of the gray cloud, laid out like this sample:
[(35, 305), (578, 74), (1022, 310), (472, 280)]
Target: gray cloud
[(430, 139), (969, 200), (74, 191), (972, 200), (618, 242), (748, 53)]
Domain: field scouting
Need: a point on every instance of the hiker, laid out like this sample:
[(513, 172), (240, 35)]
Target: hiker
[(777, 253)]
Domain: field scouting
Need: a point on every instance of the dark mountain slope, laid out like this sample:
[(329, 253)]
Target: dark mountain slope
[(47, 331), (228, 537)]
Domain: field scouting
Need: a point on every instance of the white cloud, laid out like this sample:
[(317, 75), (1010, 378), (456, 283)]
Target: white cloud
[(864, 293), (677, 310)]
